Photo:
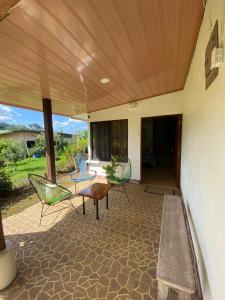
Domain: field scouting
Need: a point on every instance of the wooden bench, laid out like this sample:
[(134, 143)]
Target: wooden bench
[(175, 269)]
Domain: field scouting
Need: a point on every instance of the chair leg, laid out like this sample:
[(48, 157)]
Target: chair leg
[(83, 206), (41, 214), (107, 201), (97, 216), (75, 188), (125, 192)]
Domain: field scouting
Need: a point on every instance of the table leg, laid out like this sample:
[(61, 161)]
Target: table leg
[(107, 201), (83, 206), (96, 202)]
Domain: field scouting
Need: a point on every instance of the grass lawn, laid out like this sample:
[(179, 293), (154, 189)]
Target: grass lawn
[(19, 175), (21, 198)]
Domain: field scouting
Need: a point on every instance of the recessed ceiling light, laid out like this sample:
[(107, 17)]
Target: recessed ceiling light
[(104, 80)]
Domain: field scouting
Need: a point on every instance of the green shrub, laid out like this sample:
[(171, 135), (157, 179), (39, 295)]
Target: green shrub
[(5, 182), (40, 146), (2, 160), (64, 165), (13, 153)]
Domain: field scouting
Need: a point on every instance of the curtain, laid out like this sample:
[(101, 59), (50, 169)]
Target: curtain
[(109, 138)]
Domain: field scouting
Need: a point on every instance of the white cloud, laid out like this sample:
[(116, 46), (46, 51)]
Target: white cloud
[(74, 121), (60, 124), (7, 114), (68, 123)]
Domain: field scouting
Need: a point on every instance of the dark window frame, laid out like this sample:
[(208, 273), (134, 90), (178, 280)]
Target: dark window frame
[(109, 147)]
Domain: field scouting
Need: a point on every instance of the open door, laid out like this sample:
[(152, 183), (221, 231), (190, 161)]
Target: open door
[(178, 149), (161, 150)]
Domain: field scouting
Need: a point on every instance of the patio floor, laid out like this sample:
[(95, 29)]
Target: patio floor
[(78, 257)]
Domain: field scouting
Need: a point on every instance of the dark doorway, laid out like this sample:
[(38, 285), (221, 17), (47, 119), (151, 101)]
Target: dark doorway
[(160, 150)]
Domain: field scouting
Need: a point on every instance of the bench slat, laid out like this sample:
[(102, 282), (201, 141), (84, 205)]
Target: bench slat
[(175, 265)]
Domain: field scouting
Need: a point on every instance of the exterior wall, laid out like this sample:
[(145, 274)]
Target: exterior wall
[(31, 136), (20, 136), (162, 105), (203, 154), (203, 161)]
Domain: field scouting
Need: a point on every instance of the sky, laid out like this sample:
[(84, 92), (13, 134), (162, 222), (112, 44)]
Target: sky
[(19, 116)]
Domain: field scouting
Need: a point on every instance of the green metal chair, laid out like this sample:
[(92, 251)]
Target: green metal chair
[(50, 194), (121, 177)]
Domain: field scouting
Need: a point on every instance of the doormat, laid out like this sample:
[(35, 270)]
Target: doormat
[(160, 190)]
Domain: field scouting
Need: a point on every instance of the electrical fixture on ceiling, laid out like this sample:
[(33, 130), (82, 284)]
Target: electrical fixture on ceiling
[(104, 80)]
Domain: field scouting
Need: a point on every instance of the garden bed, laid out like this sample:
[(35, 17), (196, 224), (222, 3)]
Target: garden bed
[(20, 198)]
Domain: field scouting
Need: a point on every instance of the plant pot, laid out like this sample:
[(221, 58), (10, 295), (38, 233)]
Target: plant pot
[(8, 269)]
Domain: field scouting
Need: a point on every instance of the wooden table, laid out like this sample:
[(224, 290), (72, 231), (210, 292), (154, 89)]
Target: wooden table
[(96, 191)]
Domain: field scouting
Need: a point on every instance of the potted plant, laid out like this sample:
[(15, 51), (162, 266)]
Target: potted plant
[(111, 168)]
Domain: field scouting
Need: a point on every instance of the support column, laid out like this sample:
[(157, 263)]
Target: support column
[(49, 139), (2, 238)]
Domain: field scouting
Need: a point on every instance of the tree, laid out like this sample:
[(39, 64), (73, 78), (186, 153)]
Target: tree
[(4, 144), (82, 141), (40, 146), (5, 180), (14, 154)]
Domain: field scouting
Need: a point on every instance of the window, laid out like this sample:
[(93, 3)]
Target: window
[(30, 144), (109, 138)]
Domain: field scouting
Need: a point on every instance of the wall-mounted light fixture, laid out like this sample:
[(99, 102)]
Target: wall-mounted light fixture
[(217, 56), (132, 105)]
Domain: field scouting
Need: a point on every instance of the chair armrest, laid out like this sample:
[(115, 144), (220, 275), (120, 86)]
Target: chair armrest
[(94, 172), (74, 172)]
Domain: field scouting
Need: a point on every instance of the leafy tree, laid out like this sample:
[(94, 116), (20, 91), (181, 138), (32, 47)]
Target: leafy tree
[(13, 153), (4, 145), (40, 145), (82, 141), (5, 181)]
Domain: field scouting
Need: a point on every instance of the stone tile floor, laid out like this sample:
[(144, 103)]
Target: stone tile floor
[(78, 257)]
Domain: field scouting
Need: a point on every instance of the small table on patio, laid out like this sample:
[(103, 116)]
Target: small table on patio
[(96, 191)]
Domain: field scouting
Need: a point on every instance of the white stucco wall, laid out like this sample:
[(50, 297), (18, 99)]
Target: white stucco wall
[(203, 162), (157, 106)]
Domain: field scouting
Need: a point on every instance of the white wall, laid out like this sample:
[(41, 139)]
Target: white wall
[(203, 162), (203, 154), (157, 106)]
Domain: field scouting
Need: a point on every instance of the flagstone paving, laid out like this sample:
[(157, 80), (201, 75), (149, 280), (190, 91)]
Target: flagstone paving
[(78, 257)]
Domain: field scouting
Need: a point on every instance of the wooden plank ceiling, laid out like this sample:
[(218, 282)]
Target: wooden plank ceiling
[(61, 50)]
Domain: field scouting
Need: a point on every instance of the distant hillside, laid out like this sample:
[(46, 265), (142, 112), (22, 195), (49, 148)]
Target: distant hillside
[(15, 127)]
